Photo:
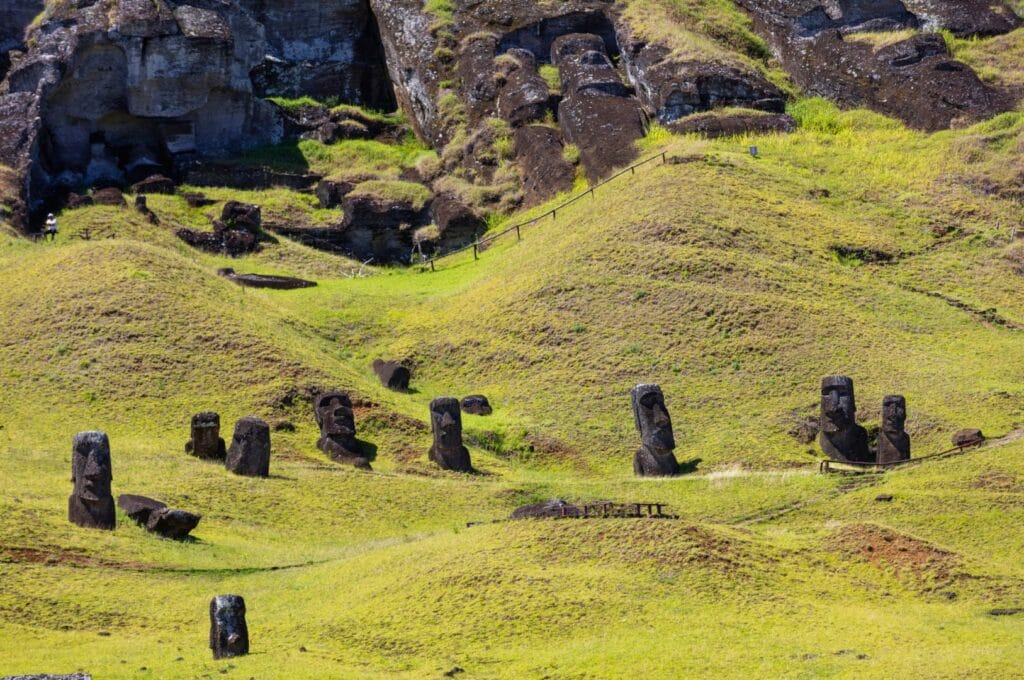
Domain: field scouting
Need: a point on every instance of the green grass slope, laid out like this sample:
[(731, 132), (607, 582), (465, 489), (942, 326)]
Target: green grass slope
[(852, 245)]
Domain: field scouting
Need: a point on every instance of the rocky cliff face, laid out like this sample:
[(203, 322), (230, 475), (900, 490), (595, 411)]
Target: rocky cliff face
[(829, 50), (112, 90), (15, 17), (325, 50)]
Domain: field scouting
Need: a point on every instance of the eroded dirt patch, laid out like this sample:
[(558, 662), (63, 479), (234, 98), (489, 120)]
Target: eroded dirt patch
[(888, 549)]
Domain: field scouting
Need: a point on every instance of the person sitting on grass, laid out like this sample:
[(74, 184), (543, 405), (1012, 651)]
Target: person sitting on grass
[(51, 227)]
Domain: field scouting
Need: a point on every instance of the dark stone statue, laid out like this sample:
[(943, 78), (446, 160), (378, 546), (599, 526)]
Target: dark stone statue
[(229, 636), (91, 503), (249, 453), (654, 458), (333, 413), (893, 440), (476, 405), (206, 441), (446, 422), (157, 517), (392, 374), (841, 438)]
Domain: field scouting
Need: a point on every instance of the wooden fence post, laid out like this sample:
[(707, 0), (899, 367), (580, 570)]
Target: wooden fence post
[(519, 236), (475, 246)]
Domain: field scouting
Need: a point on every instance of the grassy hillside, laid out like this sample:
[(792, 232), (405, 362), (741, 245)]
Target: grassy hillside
[(852, 245)]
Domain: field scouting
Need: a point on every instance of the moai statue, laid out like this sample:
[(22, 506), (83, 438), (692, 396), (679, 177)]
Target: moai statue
[(841, 438), (91, 503), (206, 441), (333, 413), (893, 440), (654, 458), (446, 422), (229, 636), (249, 453)]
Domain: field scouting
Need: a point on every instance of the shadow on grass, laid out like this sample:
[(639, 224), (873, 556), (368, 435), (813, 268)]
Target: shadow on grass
[(690, 466)]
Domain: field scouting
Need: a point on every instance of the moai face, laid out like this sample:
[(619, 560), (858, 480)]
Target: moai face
[(334, 415), (91, 471), (206, 441), (894, 414), (651, 417), (91, 503), (249, 453), (229, 635), (446, 421), (838, 409)]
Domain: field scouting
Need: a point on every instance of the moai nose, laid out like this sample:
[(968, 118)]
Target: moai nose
[(447, 420), (660, 416)]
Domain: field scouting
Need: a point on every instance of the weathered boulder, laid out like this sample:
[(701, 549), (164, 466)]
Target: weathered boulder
[(392, 374), (457, 223), (477, 405), (968, 437), (245, 216), (154, 184), (249, 453), (110, 196), (157, 517), (331, 193)]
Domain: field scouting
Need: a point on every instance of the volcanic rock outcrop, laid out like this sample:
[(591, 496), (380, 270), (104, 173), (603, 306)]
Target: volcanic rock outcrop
[(325, 50), (111, 91), (827, 48)]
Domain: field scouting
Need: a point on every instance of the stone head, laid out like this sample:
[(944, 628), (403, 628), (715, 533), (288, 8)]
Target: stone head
[(838, 409), (651, 417), (229, 634), (206, 426), (91, 471), (894, 413), (446, 421), (333, 414)]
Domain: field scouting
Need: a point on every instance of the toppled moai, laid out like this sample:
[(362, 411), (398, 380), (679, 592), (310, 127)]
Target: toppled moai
[(206, 441), (392, 374), (157, 517), (446, 423), (476, 405), (893, 440), (655, 457), (249, 453), (229, 634), (841, 438), (334, 417), (91, 503)]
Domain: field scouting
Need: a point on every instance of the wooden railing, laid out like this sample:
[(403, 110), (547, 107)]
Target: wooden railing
[(478, 245)]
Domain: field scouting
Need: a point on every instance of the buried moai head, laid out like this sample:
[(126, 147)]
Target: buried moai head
[(893, 440), (229, 635), (655, 456), (337, 423), (841, 438), (249, 453), (206, 441), (446, 423), (91, 503)]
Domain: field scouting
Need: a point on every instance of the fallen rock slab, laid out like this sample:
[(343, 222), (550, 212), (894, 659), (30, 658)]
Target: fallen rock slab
[(265, 280)]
